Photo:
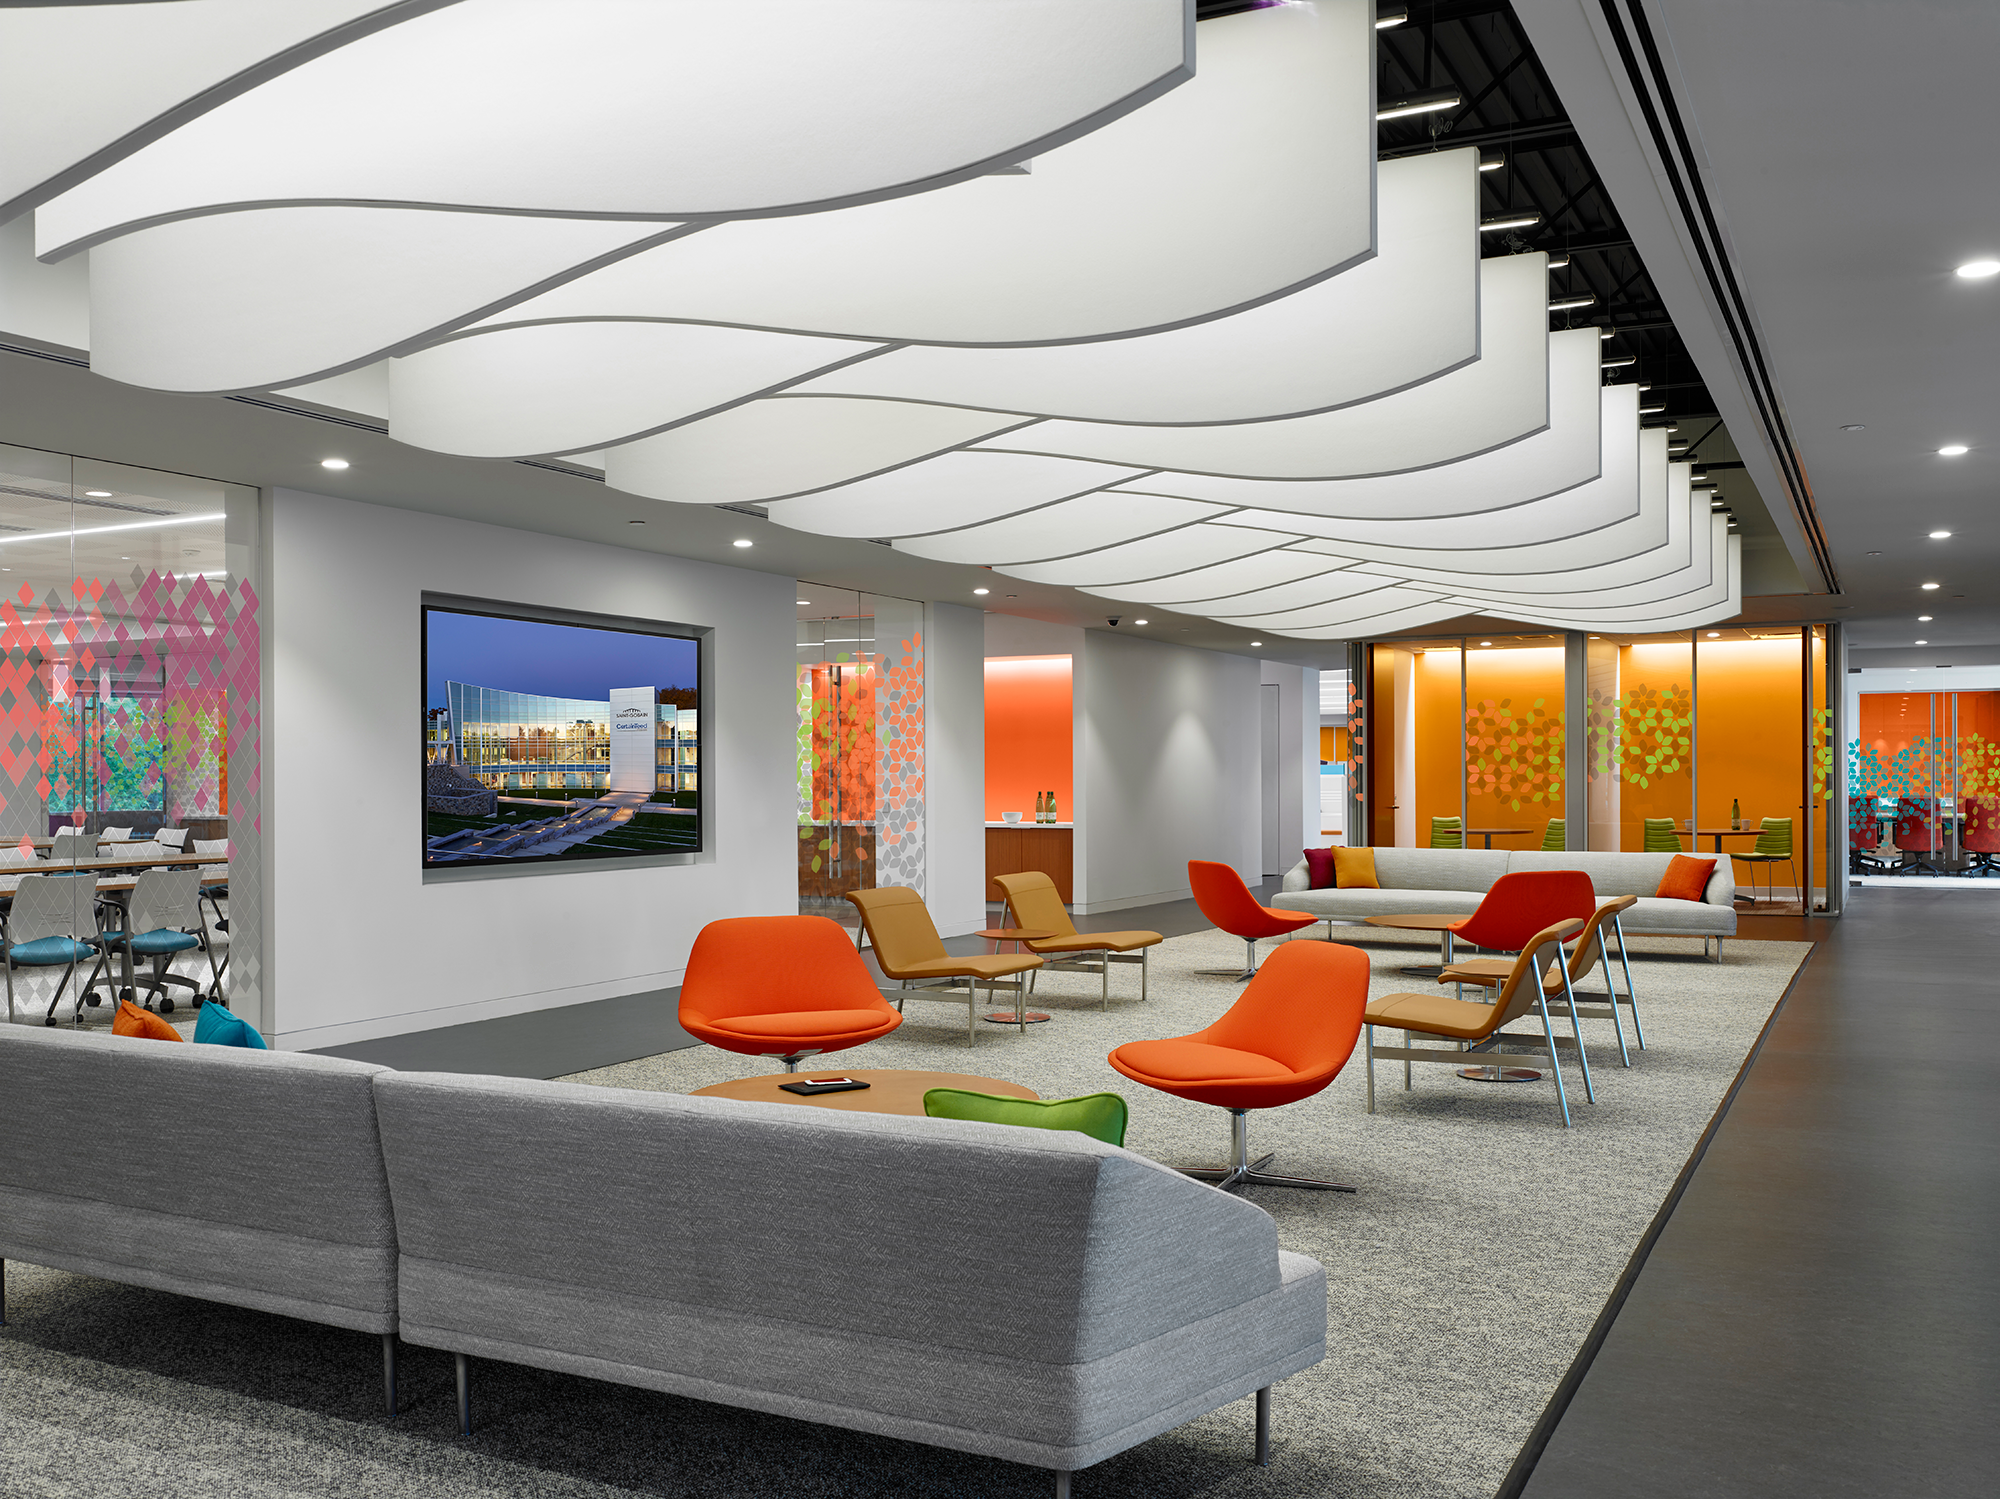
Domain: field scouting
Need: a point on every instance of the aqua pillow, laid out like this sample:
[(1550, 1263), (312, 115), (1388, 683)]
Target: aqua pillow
[(1099, 1115), (217, 1027)]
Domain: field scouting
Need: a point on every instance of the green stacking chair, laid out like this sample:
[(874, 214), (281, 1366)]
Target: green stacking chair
[(1661, 837), (1555, 837), (1445, 833), (1774, 846), (1099, 1115)]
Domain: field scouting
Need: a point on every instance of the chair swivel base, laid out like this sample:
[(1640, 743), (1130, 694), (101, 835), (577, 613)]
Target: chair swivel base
[(792, 1059), (1008, 1017), (1244, 1172), (1500, 1074)]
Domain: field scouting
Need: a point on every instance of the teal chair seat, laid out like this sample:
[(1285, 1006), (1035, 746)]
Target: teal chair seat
[(46, 951), (152, 944), (1099, 1115)]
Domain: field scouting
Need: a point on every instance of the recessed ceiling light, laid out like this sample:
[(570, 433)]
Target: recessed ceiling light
[(635, 523), (1256, 642), (1939, 535), (1923, 642), (1953, 450), (1929, 586), (1713, 634), (1486, 642), (742, 541), (1854, 427), (1874, 554), (124, 559), (1924, 619), (982, 590), (333, 463), (98, 494), (804, 602), (1138, 621), (1978, 270)]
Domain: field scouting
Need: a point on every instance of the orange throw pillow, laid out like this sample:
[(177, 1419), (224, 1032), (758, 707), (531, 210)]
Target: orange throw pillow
[(1354, 869), (1685, 879), (133, 1021)]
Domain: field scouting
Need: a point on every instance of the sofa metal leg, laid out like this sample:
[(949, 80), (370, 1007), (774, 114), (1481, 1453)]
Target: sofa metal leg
[(389, 1370), (1062, 1485), (1264, 1427), (464, 1395)]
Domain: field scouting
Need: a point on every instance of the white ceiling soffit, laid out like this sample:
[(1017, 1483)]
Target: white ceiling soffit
[(568, 387), (1155, 557), (1501, 397), (649, 109), (1409, 315), (1414, 617), (789, 445), (239, 302), (1320, 593), (1247, 182), (1627, 473), (1568, 452), (144, 67), (1085, 524), (1224, 580), (943, 494), (1327, 615), (1723, 599), (1677, 567)]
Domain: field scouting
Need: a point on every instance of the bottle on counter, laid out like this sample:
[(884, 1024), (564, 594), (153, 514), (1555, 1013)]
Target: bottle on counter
[(1039, 809), (1052, 807)]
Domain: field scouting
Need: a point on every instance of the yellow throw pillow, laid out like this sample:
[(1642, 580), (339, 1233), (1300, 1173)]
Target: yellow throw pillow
[(1354, 869)]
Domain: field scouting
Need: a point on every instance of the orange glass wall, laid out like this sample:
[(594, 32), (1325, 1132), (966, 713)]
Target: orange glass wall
[(1030, 735), (1439, 766), (1514, 741), (1749, 733), (1332, 745)]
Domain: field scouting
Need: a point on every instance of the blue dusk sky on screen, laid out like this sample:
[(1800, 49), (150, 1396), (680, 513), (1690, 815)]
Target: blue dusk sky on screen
[(556, 660)]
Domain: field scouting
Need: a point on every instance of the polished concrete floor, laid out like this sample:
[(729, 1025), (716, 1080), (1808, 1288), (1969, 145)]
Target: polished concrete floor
[(1818, 1314)]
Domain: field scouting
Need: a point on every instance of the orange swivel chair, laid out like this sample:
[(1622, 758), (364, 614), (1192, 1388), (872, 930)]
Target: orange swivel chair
[(1286, 1037), (788, 987), (1520, 905), (1225, 900)]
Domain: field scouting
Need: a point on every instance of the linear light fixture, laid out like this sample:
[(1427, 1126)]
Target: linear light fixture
[(1524, 220), (1607, 333), (1564, 304), (1652, 410), (1493, 164), (1420, 104), (136, 525), (1619, 363), (1394, 15), (1557, 262)]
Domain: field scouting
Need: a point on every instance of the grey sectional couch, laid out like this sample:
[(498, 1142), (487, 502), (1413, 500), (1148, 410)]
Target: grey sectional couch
[(1027, 1294), (1450, 881)]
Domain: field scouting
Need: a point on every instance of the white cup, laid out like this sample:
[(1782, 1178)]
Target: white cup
[(1010, 818)]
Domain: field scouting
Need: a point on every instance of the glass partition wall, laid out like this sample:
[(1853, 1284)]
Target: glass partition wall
[(129, 672), (1710, 741), (1924, 782), (860, 685)]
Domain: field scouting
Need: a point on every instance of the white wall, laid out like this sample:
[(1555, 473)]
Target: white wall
[(955, 766), (1167, 768), (361, 946), (1295, 764)]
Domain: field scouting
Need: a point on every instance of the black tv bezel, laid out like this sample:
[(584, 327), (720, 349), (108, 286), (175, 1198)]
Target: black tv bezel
[(700, 635)]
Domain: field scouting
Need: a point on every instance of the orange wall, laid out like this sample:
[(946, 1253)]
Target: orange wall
[(1439, 762), (1332, 745), (1747, 720), (1030, 735), (1656, 678), (1514, 742)]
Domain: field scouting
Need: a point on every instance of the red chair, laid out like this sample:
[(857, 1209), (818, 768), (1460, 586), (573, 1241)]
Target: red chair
[(1286, 1037), (1227, 902), (1980, 834), (1520, 905), (788, 987), (1918, 832)]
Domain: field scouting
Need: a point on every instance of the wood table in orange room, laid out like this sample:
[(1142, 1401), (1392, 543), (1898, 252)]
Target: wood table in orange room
[(889, 1091)]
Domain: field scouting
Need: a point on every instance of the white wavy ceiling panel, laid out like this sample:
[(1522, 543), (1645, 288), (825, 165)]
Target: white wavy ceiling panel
[(1720, 600), (1499, 398), (253, 301), (1225, 580), (656, 109), (148, 66), (1155, 557), (789, 445), (1409, 315), (1246, 182), (1085, 524), (569, 387), (1344, 612), (1389, 622), (944, 494), (1568, 453), (1678, 566)]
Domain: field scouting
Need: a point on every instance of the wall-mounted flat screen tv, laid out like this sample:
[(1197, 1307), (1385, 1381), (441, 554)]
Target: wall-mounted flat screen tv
[(549, 743)]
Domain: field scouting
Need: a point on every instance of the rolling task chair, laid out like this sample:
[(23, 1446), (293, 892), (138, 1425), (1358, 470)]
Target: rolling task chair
[(787, 987), (1286, 1037), (1227, 902)]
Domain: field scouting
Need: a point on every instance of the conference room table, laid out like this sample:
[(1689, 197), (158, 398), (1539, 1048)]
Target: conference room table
[(1489, 834)]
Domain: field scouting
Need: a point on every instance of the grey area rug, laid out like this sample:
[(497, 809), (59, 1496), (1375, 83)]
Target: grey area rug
[(1464, 1274)]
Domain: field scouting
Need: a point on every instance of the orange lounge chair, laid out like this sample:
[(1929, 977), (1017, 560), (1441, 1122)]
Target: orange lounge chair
[(781, 986), (1036, 906), (1225, 900)]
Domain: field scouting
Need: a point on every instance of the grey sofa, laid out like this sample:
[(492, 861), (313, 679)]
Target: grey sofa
[(274, 1196), (1027, 1294), (1450, 881)]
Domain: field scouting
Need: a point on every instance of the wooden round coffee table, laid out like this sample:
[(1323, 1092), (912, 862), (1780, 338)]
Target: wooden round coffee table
[(889, 1091)]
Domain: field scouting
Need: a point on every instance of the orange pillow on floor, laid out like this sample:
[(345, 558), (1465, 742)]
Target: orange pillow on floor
[(133, 1021), (1354, 869), (1685, 879)]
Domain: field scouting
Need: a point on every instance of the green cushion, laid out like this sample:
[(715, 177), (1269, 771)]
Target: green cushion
[(1099, 1115), (215, 1026)]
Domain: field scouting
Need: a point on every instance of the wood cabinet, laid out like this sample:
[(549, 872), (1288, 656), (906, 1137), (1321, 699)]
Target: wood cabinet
[(1019, 850)]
